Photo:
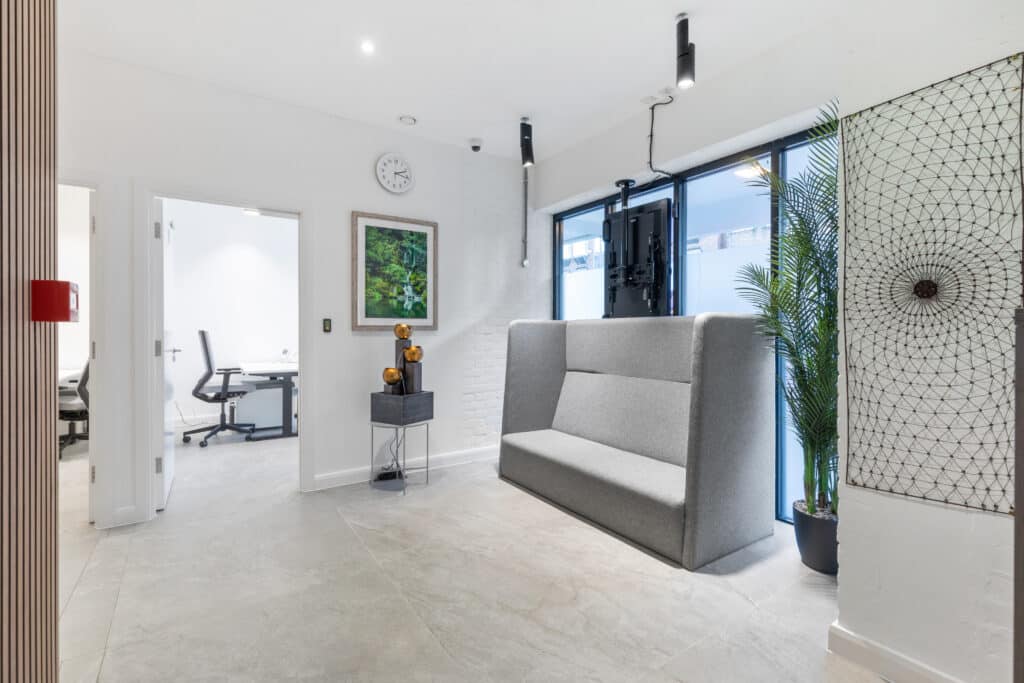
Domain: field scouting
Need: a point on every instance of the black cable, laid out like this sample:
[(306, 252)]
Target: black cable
[(650, 139)]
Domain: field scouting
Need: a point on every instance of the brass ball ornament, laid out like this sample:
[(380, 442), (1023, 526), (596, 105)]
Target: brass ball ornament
[(392, 376), (413, 354), (403, 331)]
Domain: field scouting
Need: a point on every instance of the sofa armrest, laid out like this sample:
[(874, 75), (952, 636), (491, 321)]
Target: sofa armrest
[(534, 370), (730, 460)]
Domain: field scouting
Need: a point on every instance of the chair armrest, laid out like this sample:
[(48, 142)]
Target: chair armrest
[(226, 374), (730, 460)]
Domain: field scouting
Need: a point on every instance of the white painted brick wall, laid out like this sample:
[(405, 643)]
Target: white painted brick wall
[(485, 382)]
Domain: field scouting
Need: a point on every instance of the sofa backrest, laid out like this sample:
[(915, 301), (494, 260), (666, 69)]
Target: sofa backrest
[(627, 384)]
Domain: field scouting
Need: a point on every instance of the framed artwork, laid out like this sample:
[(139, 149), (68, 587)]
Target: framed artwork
[(394, 272), (933, 247)]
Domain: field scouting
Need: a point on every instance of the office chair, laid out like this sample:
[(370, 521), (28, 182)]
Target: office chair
[(221, 392), (74, 408)]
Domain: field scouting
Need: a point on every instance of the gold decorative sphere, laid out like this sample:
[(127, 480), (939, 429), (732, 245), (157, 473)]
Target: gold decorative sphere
[(413, 354), (403, 331), (392, 376)]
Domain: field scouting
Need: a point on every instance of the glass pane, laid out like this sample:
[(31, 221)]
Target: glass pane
[(728, 225), (664, 192), (582, 294), (791, 464)]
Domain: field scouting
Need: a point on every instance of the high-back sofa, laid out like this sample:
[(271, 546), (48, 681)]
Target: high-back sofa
[(659, 429)]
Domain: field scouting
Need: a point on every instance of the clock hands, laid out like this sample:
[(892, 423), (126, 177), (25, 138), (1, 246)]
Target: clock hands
[(404, 174)]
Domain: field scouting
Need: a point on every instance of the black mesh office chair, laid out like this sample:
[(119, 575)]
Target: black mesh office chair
[(221, 392), (74, 408)]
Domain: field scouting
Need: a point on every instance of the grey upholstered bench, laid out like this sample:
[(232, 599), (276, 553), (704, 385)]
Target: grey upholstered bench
[(659, 429)]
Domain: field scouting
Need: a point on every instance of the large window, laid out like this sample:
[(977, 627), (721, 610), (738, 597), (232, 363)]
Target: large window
[(790, 464), (581, 268), (724, 223), (665, 191), (728, 224)]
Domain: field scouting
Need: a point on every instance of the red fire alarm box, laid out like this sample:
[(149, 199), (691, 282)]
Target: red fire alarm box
[(54, 301)]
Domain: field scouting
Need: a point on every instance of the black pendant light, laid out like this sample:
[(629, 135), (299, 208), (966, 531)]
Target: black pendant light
[(685, 73), (526, 141)]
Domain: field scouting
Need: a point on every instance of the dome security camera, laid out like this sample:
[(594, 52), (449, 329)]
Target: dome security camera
[(476, 144)]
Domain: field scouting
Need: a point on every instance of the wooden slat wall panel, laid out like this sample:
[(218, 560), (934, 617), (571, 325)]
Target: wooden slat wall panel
[(28, 401)]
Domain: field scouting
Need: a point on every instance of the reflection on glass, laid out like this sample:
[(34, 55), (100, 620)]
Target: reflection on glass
[(728, 225), (790, 478), (582, 280)]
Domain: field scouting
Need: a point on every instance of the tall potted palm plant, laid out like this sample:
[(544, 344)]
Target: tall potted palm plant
[(796, 300)]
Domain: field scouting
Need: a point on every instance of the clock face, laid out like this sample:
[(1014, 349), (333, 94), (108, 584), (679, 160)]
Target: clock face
[(394, 173)]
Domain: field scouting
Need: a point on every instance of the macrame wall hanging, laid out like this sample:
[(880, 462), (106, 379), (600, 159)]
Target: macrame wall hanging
[(932, 271)]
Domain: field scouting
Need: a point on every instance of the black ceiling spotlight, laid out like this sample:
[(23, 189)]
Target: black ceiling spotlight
[(526, 141), (685, 74)]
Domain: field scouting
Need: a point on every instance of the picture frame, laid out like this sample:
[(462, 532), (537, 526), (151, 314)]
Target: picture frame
[(394, 272)]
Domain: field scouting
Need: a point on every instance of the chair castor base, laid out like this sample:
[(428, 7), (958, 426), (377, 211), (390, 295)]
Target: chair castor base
[(203, 444), (186, 439)]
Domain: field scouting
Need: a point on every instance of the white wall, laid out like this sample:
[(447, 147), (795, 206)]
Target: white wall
[(127, 130), (931, 583), (923, 589), (73, 265), (237, 276), (771, 97)]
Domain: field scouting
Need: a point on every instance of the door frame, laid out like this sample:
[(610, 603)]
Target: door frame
[(94, 318), (147, 330)]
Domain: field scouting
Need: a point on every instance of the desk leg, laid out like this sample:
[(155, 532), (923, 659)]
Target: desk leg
[(370, 482), (286, 407), (428, 452)]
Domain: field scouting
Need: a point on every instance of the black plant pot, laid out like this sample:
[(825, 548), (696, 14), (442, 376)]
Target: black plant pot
[(816, 539)]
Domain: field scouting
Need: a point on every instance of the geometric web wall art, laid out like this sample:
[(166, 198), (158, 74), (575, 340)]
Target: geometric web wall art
[(932, 274)]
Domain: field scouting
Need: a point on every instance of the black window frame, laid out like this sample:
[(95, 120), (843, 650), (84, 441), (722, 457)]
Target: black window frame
[(775, 151)]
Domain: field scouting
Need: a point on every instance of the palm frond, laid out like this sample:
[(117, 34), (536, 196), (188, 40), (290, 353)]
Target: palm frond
[(796, 299)]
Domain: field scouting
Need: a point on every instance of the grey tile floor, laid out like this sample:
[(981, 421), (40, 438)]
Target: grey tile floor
[(242, 578)]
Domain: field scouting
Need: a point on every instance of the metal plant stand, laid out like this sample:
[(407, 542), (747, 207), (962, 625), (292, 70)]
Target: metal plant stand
[(394, 474)]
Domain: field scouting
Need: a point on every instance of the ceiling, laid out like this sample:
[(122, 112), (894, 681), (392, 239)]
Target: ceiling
[(464, 68)]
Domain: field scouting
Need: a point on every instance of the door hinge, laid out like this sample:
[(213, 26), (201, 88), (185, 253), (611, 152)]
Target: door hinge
[(160, 465), (156, 229), (92, 350), (92, 474), (158, 348), (92, 224)]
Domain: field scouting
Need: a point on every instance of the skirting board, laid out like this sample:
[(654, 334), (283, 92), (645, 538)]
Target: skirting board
[(360, 475), (887, 663)]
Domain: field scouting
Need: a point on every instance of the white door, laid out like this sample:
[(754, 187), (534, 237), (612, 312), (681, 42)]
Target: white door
[(163, 404), (92, 346)]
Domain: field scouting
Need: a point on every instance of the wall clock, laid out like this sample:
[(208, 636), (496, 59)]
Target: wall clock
[(394, 173)]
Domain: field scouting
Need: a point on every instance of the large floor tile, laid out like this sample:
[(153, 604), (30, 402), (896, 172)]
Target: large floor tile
[(469, 578)]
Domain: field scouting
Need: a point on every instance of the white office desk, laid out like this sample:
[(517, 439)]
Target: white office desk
[(270, 368)]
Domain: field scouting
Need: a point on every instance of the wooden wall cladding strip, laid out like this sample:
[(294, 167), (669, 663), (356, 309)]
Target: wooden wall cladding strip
[(28, 351)]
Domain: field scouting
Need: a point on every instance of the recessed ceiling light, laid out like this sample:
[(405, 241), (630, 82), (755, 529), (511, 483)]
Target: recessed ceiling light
[(251, 212), (407, 119), (367, 46)]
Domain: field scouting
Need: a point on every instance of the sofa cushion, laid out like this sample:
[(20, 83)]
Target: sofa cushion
[(652, 348), (645, 416), (638, 497)]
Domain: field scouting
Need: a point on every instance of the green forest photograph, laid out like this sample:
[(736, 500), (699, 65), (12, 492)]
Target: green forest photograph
[(396, 273)]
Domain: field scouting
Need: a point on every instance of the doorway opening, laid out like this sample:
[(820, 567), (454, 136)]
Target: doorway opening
[(229, 337), (74, 352)]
